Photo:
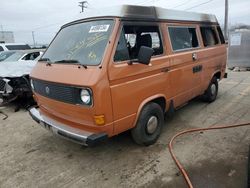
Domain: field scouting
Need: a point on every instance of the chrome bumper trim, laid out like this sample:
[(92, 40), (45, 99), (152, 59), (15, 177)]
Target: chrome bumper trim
[(66, 132)]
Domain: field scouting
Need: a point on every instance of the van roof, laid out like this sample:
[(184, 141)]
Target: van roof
[(148, 13)]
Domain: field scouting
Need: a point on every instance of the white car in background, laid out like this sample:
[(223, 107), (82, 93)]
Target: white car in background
[(5, 54), (25, 55), (20, 63), (14, 74)]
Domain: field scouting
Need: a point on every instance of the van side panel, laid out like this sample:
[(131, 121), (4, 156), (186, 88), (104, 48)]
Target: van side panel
[(132, 84), (185, 83), (214, 61)]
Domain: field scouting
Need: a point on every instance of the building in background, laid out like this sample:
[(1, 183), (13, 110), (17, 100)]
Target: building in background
[(239, 47), (7, 37)]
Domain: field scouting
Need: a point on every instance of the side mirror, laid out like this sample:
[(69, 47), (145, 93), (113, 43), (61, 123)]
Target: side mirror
[(144, 55)]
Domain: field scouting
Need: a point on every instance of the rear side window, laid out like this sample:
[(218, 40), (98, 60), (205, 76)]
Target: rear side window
[(31, 56), (1, 48), (209, 36), (183, 38), (18, 47), (133, 37), (222, 39)]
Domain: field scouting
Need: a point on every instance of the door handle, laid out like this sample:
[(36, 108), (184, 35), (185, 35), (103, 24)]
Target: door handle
[(194, 56), (197, 68)]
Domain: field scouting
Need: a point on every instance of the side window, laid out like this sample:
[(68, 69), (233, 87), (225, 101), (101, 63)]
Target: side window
[(31, 56), (183, 38), (1, 48), (222, 39), (133, 37), (209, 36)]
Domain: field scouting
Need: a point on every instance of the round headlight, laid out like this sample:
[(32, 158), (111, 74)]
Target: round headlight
[(85, 96), (31, 84)]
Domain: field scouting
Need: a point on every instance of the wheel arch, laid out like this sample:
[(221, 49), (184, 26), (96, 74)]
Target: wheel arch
[(158, 99), (217, 74)]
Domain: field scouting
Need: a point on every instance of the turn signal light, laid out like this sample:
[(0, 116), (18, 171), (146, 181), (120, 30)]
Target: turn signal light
[(99, 120)]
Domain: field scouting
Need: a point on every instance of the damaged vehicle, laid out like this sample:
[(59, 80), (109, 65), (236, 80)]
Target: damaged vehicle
[(14, 75), (5, 54), (24, 55)]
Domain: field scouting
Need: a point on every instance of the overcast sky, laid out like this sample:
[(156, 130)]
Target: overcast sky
[(45, 17)]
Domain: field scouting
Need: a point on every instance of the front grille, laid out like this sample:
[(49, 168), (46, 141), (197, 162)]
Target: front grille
[(60, 92), (2, 84)]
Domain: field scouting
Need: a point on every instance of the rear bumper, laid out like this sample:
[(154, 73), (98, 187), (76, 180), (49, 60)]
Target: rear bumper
[(65, 131)]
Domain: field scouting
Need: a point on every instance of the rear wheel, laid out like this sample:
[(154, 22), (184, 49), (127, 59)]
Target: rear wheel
[(149, 125), (210, 94)]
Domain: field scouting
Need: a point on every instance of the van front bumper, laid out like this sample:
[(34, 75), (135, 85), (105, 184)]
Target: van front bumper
[(73, 134)]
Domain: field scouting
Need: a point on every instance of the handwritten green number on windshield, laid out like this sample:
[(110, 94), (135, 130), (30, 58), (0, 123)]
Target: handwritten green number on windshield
[(92, 56)]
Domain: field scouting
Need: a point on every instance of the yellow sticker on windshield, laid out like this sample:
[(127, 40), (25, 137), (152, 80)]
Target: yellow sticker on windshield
[(99, 28)]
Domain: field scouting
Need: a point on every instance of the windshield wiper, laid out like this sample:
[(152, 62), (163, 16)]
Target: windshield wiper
[(72, 61)]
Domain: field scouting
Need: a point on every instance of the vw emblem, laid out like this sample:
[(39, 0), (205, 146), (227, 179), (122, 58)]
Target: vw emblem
[(47, 90)]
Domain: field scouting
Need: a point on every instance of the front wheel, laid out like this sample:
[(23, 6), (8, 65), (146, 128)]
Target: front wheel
[(149, 125), (210, 94)]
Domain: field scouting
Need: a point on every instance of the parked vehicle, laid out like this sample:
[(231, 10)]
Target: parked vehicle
[(5, 54), (13, 46), (14, 74), (124, 68), (25, 55)]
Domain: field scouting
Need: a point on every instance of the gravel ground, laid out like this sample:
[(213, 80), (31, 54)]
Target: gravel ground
[(32, 157)]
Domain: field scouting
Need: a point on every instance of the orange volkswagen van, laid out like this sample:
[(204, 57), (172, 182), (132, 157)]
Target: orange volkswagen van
[(123, 68)]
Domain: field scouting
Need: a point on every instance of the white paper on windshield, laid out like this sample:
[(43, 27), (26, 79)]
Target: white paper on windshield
[(235, 39), (99, 28), (16, 69)]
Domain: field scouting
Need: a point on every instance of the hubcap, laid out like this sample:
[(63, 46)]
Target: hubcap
[(213, 89), (152, 124)]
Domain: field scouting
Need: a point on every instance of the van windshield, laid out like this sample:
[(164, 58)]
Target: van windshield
[(82, 43)]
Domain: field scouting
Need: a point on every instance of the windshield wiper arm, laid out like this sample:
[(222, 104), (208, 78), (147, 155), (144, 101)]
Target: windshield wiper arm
[(67, 61), (47, 60), (72, 61)]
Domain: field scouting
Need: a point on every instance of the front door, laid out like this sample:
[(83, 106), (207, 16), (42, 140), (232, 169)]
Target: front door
[(130, 85)]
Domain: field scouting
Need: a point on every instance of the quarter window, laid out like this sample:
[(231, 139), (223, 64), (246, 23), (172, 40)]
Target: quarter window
[(122, 53), (209, 36), (133, 37), (1, 48), (222, 39), (183, 38)]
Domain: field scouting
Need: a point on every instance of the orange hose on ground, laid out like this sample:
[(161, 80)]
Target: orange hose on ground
[(179, 165)]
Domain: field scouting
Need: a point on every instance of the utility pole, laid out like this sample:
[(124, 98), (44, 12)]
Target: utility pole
[(226, 20), (83, 5), (33, 36)]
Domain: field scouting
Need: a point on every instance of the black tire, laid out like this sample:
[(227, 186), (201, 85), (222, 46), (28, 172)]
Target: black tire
[(210, 94), (141, 133)]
